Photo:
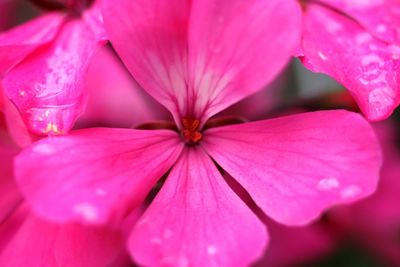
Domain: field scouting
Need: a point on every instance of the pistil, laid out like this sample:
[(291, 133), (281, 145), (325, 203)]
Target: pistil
[(191, 131)]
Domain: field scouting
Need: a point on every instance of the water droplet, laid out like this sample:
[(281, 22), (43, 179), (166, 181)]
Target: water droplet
[(45, 149), (176, 261), (350, 191), (322, 55), (328, 183), (87, 211), (370, 59), (381, 28), (22, 93), (212, 250)]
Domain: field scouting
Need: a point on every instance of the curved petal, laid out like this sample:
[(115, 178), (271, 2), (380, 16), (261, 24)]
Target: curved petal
[(336, 45), (19, 41), (197, 220), (48, 86), (94, 175), (198, 57), (379, 17), (236, 48), (114, 98), (37, 243), (297, 166), (10, 196)]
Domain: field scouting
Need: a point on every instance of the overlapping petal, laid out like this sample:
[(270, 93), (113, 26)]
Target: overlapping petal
[(197, 220), (94, 175), (198, 57), (48, 86), (297, 166), (18, 42), (379, 17), (370, 68)]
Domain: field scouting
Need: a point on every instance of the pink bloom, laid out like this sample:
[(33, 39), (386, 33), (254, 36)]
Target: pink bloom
[(197, 58), (358, 44), (43, 63)]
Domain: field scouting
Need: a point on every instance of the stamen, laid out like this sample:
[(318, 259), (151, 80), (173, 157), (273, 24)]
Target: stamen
[(190, 131)]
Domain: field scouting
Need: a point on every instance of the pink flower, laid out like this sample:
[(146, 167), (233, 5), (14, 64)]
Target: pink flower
[(43, 63), (197, 58), (358, 44)]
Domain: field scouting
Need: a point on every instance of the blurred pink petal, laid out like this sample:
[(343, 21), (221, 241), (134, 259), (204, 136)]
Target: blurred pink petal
[(94, 175), (7, 13), (375, 221), (35, 242), (9, 193), (197, 58), (291, 246), (19, 41), (114, 98), (337, 45), (297, 166), (197, 220)]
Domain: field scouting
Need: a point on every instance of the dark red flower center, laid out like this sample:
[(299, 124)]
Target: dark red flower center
[(191, 130)]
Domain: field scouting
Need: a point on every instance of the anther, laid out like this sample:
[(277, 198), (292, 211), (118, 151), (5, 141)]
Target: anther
[(190, 131)]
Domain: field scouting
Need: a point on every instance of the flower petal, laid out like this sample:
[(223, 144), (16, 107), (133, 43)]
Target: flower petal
[(94, 175), (237, 47), (297, 166), (9, 193), (18, 42), (48, 86), (197, 58), (114, 98), (335, 45), (197, 220), (379, 17), (37, 242)]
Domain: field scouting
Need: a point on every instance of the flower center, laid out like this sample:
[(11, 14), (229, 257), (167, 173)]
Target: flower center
[(190, 131)]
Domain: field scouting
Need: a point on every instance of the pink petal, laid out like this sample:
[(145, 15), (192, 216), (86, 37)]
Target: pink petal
[(199, 66), (18, 42), (369, 68), (48, 86), (94, 175), (379, 17), (297, 166), (16, 127), (37, 243), (114, 98), (197, 220), (9, 193), (237, 47)]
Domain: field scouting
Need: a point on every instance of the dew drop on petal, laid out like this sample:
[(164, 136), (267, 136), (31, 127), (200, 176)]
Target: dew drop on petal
[(175, 261), (328, 183), (87, 211), (350, 191), (211, 250), (322, 56), (44, 149)]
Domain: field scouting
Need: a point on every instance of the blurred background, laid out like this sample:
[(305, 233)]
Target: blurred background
[(365, 234)]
